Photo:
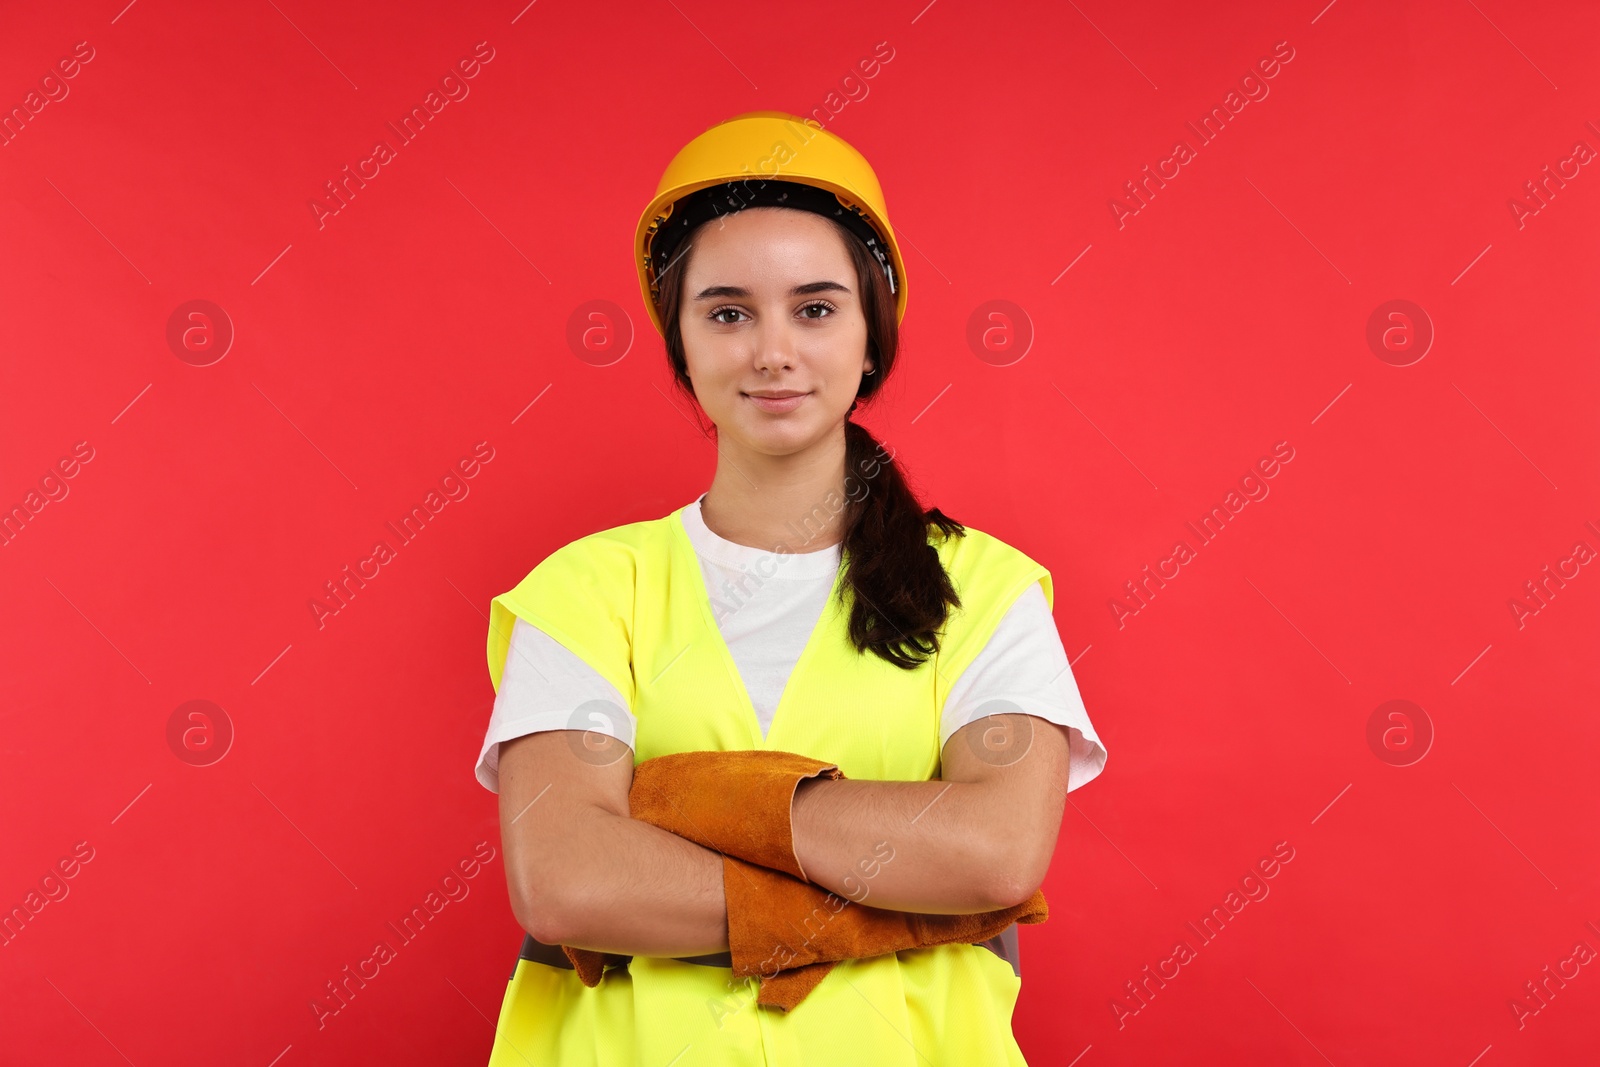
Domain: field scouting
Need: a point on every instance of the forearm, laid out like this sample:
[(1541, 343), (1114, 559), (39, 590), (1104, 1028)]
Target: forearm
[(946, 840), (634, 888)]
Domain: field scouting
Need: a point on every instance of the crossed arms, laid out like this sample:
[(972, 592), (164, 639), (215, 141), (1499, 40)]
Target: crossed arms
[(581, 872)]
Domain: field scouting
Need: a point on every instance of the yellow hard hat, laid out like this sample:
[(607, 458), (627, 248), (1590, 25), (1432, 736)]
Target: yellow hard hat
[(756, 159)]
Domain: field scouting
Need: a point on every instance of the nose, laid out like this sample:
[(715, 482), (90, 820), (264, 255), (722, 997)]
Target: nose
[(774, 347)]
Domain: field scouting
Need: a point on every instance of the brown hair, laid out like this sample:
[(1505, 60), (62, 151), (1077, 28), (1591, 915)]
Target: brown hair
[(902, 594)]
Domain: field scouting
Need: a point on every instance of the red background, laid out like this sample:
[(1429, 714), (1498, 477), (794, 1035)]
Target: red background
[(374, 350)]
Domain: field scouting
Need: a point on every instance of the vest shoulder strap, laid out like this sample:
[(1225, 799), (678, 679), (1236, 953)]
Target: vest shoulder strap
[(989, 575), (583, 596)]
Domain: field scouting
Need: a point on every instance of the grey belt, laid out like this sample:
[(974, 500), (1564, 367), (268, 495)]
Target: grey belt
[(1003, 944)]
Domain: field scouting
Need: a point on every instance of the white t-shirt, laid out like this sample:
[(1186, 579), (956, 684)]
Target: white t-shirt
[(766, 622)]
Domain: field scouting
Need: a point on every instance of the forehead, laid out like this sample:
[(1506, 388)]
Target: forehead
[(769, 241)]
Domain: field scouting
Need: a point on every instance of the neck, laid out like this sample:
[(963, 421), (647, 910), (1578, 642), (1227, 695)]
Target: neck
[(792, 503)]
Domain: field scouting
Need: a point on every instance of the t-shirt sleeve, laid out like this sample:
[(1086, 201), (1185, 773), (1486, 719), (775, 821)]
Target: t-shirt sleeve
[(1024, 668), (545, 686)]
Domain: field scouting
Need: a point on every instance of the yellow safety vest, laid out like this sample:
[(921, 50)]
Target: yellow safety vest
[(632, 603)]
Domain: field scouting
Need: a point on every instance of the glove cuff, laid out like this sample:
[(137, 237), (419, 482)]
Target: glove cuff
[(738, 802)]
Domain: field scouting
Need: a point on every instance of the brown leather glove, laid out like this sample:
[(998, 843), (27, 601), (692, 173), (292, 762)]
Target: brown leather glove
[(736, 802), (780, 927), (790, 933), (733, 802), (591, 965), (739, 803)]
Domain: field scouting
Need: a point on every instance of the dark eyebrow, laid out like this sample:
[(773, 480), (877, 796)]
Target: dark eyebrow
[(738, 292)]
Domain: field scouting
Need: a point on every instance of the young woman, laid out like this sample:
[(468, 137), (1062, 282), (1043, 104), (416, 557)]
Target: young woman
[(806, 602)]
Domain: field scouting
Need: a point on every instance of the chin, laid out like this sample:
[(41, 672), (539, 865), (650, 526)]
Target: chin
[(786, 441)]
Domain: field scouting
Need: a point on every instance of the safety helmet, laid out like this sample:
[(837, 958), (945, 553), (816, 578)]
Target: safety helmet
[(764, 158)]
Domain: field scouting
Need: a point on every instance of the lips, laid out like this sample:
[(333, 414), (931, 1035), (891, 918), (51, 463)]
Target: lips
[(788, 400)]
